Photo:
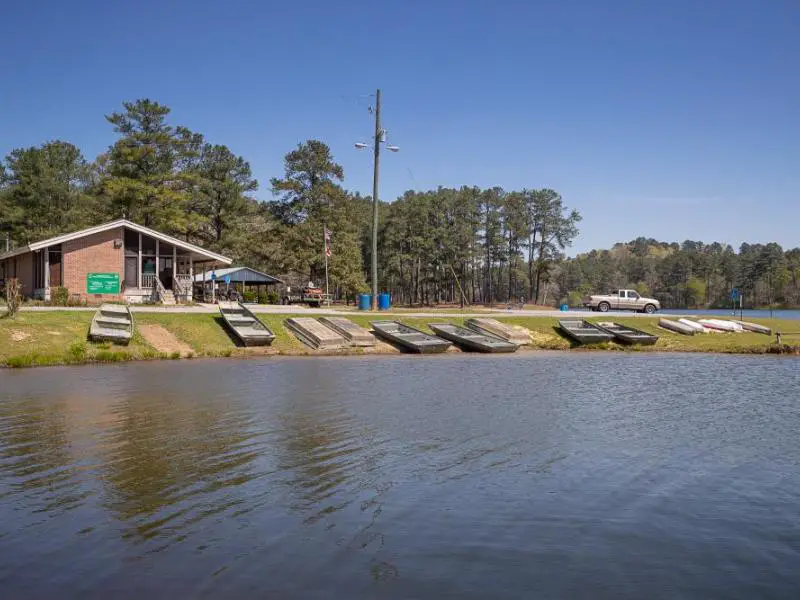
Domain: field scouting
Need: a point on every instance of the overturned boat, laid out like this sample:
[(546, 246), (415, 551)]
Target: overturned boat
[(721, 325), (354, 334), (470, 340), (698, 328), (629, 335), (583, 332), (314, 334), (245, 326), (112, 323), (498, 329), (676, 327), (754, 327), (409, 338)]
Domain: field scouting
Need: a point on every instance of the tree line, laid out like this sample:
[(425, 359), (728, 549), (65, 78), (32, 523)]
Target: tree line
[(462, 245), (688, 275)]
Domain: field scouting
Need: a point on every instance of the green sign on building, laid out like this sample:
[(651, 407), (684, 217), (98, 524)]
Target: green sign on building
[(102, 283)]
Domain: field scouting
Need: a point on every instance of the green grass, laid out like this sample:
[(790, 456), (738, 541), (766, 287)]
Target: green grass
[(58, 338)]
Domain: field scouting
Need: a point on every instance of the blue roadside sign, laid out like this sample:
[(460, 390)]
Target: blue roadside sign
[(735, 294), (213, 276), (227, 279)]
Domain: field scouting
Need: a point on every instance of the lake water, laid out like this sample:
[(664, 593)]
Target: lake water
[(568, 475)]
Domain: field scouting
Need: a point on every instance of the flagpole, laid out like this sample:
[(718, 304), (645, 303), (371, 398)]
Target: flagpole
[(325, 244)]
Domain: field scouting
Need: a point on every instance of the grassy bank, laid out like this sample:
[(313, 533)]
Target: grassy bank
[(58, 338)]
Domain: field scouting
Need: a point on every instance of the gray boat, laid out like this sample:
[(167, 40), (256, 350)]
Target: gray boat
[(676, 327), (112, 323), (470, 340), (245, 326), (629, 335), (499, 329), (409, 338), (354, 334), (314, 334), (583, 332)]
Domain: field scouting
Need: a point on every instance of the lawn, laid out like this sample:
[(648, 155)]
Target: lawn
[(59, 337)]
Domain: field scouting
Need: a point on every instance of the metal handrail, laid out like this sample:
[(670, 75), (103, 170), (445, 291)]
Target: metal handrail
[(159, 289)]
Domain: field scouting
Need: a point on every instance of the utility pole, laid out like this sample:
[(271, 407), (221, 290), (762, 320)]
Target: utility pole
[(375, 174)]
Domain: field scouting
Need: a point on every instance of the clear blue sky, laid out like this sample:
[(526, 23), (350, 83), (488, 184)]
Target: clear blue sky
[(671, 120)]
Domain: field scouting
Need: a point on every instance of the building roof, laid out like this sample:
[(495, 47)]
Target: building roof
[(68, 237), (239, 275)]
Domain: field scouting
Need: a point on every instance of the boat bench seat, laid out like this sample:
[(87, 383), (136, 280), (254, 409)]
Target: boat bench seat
[(112, 320)]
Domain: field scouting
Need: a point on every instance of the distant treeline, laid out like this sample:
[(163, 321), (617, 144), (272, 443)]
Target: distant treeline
[(465, 245), (690, 275)]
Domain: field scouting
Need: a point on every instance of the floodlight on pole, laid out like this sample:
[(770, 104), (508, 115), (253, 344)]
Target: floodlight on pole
[(379, 138)]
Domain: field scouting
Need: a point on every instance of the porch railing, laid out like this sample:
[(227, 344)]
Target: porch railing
[(148, 280), (182, 286)]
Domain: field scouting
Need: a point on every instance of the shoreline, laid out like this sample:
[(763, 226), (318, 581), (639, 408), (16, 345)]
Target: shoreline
[(58, 338)]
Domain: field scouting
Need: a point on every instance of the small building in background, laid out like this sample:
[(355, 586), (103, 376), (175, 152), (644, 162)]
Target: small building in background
[(242, 279), (116, 261)]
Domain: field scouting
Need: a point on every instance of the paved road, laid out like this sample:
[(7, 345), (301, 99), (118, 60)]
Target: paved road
[(285, 310)]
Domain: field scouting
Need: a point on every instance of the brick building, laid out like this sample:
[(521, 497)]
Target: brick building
[(115, 261)]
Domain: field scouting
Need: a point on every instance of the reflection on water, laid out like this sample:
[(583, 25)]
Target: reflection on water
[(456, 476)]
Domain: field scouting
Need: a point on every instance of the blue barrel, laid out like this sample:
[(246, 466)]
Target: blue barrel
[(564, 307), (364, 301), (384, 301)]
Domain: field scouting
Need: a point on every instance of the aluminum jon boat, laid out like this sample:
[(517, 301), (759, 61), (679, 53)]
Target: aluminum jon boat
[(354, 334), (408, 338), (629, 335), (314, 334), (112, 323), (245, 326), (583, 332), (754, 327), (721, 325), (698, 328), (470, 340), (498, 329), (676, 327)]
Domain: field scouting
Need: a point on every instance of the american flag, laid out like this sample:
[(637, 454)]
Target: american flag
[(327, 242), (327, 235)]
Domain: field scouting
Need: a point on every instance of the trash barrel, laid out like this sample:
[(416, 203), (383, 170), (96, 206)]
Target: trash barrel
[(564, 307), (364, 301), (384, 301)]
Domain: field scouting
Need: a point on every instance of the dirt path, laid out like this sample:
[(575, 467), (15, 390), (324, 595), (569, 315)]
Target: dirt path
[(163, 340)]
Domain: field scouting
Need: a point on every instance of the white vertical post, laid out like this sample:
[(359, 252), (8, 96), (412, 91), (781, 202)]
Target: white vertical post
[(158, 269), (46, 274), (139, 264), (191, 277)]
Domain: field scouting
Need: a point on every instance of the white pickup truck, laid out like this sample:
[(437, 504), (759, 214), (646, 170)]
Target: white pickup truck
[(622, 300)]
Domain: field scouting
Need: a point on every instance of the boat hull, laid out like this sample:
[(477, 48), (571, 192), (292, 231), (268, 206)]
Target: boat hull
[(583, 332), (246, 328), (112, 323), (409, 339), (472, 341), (676, 327), (498, 329), (629, 335)]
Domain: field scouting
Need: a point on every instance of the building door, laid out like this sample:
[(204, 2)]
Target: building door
[(55, 268), (131, 268)]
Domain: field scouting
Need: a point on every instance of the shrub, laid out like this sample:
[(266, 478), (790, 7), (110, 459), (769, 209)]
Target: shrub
[(77, 351), (250, 296), (263, 298), (13, 296), (272, 297), (59, 296)]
